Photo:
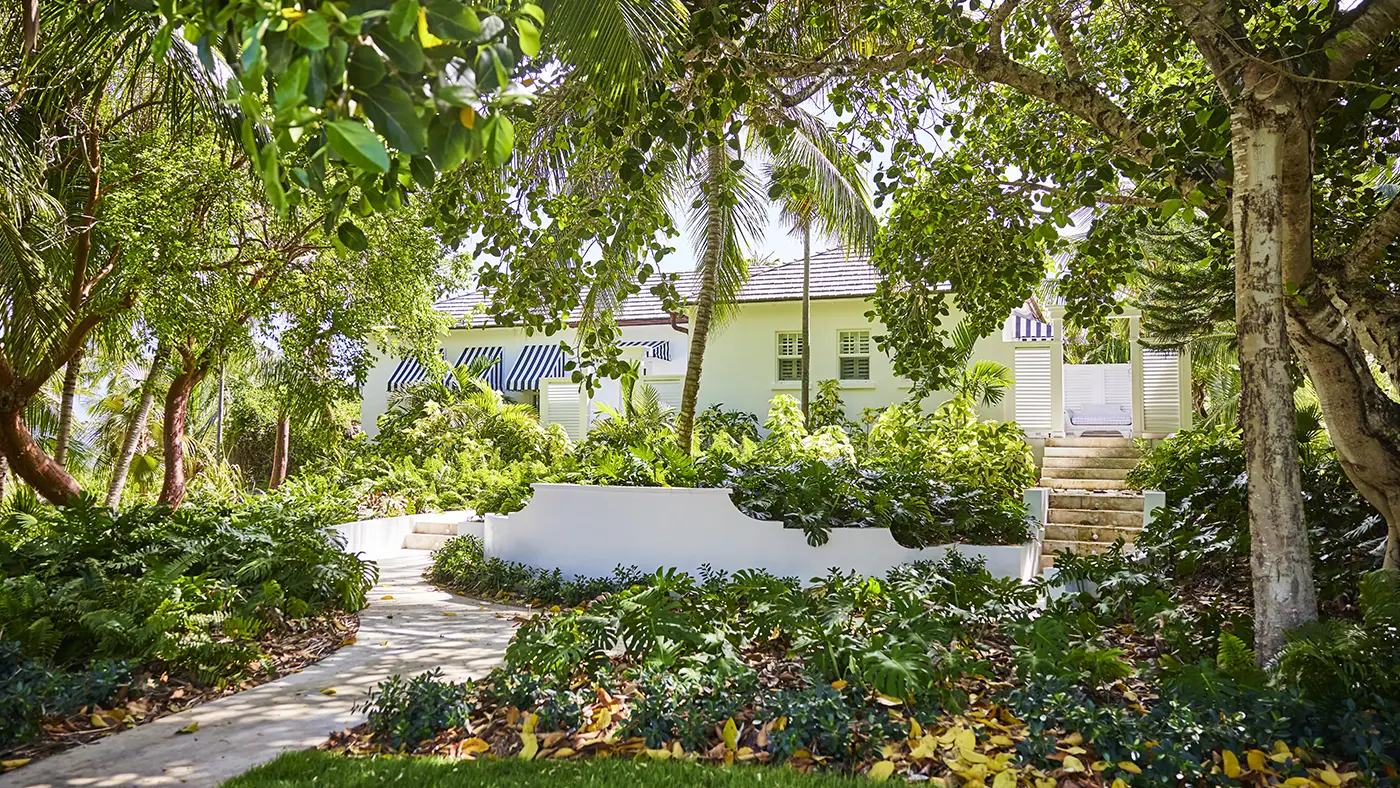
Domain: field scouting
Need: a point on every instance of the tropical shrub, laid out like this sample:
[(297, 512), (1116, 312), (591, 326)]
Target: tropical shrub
[(407, 711), (462, 566), (192, 590), (31, 690)]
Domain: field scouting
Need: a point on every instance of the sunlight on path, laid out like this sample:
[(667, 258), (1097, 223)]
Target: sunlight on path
[(406, 634)]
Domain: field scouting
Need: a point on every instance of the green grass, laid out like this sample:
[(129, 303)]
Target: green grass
[(328, 769)]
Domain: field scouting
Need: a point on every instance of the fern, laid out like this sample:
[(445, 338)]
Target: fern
[(1235, 658)]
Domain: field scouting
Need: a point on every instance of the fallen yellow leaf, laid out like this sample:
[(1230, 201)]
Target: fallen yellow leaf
[(881, 771), (916, 731), (1006, 779), (475, 745), (387, 596), (1231, 764), (838, 684), (328, 691), (731, 734), (191, 728), (1118, 783), (16, 763), (1256, 759), (449, 614), (1330, 777), (1129, 767), (965, 740), (659, 755), (1073, 764)]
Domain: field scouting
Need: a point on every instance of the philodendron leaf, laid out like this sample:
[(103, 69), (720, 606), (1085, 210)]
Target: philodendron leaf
[(357, 145)]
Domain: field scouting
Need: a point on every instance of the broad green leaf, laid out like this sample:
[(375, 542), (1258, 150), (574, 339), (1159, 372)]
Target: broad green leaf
[(357, 145), (312, 31), (452, 21), (500, 138), (352, 236), (447, 142), (366, 68), (403, 16), (421, 167), (291, 86), (529, 36), (406, 54), (395, 117)]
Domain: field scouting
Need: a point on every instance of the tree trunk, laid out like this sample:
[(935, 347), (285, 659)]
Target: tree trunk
[(715, 233), (65, 409), (177, 403), (1362, 421), (31, 464), (1271, 150), (134, 430), (4, 477), (807, 322), (282, 443)]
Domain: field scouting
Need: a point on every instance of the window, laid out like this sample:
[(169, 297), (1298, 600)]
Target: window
[(789, 356), (853, 348)]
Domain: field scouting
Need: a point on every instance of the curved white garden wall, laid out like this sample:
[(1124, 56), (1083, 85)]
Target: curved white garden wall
[(384, 536), (588, 530)]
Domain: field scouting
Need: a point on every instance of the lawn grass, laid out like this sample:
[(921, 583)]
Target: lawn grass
[(328, 769)]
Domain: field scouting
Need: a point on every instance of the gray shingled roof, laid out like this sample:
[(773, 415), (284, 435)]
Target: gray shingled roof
[(835, 274)]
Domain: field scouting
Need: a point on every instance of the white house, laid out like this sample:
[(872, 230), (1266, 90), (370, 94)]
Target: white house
[(756, 355)]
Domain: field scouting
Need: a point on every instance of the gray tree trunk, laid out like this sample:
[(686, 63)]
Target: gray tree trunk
[(715, 233), (65, 409), (134, 431), (807, 321), (1272, 151)]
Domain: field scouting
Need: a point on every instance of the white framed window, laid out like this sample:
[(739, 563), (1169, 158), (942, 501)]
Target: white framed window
[(789, 356), (853, 349)]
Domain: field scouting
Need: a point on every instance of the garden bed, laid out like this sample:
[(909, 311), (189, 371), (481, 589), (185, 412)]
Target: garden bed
[(590, 530), (149, 697)]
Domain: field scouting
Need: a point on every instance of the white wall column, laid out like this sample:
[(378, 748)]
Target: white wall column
[(1057, 378), (1135, 358)]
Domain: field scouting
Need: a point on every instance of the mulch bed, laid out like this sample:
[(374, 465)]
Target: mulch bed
[(157, 694)]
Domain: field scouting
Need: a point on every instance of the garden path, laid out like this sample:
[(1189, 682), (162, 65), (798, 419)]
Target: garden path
[(409, 627)]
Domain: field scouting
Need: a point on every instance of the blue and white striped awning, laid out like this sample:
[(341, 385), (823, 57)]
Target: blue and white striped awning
[(494, 373), (1032, 330), (535, 362), (408, 372), (656, 348)]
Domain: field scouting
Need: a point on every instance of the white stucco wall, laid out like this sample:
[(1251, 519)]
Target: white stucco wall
[(741, 359), (589, 530)]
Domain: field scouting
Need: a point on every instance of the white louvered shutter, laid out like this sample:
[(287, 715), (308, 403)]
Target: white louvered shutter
[(668, 391), (854, 349), (1161, 391), (1032, 388), (564, 406)]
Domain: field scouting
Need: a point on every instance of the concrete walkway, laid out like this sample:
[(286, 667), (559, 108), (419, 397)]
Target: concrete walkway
[(407, 634)]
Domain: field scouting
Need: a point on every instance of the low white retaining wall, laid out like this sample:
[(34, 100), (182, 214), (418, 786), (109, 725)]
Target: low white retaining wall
[(588, 530), (384, 536)]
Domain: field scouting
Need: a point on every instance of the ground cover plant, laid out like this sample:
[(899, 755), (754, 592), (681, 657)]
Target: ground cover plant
[(115, 618), (322, 768), (937, 671)]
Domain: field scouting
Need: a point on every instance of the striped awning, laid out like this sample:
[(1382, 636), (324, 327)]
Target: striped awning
[(494, 373), (535, 362), (408, 372), (1031, 330), (656, 348)]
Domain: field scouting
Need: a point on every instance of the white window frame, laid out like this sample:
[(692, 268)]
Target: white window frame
[(841, 355), (796, 356)]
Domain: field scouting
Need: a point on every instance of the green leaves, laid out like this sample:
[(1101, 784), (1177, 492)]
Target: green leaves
[(499, 135), (403, 17), (352, 236), (395, 117), (359, 147), (366, 68), (311, 31), (527, 26)]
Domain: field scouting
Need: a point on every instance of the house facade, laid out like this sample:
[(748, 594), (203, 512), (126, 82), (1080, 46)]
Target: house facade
[(756, 355)]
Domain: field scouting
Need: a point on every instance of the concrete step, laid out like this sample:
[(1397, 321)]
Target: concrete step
[(1076, 546), (1106, 534), (1125, 463), (1102, 517), (1061, 483), (1121, 452), (449, 529), (424, 541), (1096, 443), (1086, 473), (1125, 501)]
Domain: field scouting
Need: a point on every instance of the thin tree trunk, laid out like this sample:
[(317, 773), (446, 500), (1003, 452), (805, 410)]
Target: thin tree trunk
[(219, 436), (807, 322), (72, 370), (4, 477), (31, 464), (177, 403), (715, 233), (1267, 145), (282, 442), (135, 430)]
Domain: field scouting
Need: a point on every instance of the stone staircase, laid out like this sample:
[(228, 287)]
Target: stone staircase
[(429, 535), (1091, 504)]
